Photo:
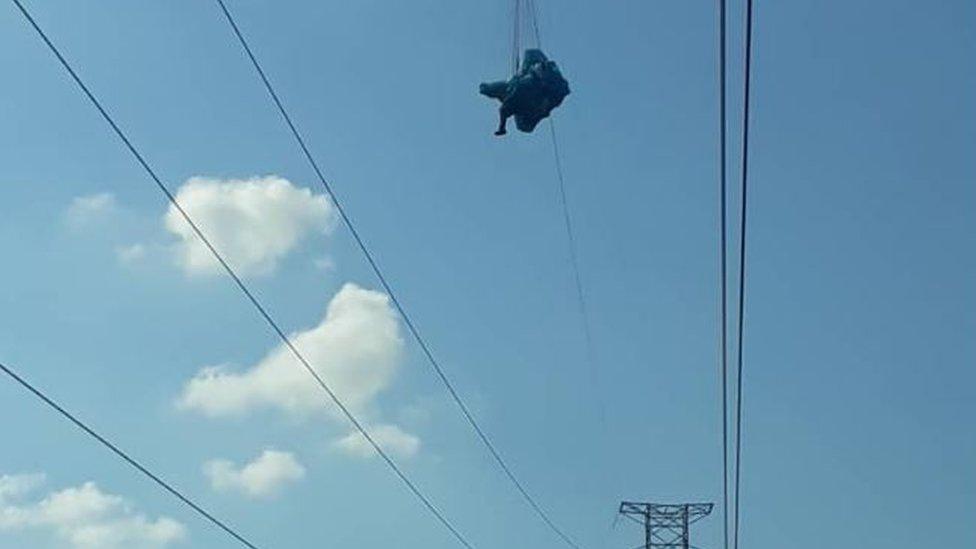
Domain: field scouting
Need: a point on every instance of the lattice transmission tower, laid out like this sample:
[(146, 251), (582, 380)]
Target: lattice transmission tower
[(665, 525)]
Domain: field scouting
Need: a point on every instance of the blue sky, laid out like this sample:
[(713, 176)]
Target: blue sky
[(861, 302)]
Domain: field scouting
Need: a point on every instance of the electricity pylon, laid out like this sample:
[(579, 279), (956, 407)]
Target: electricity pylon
[(665, 525)]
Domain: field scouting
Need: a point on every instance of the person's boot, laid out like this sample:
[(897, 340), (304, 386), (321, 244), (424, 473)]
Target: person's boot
[(501, 131)]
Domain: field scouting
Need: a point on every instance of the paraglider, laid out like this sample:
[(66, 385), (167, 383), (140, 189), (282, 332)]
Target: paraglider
[(530, 95)]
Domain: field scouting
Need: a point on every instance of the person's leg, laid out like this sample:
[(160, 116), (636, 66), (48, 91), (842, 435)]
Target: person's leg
[(502, 119), (505, 111), (494, 90)]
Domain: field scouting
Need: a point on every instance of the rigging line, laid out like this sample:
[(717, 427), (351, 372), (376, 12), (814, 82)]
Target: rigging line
[(535, 23), (517, 36), (414, 331), (240, 283), (723, 283), (571, 236), (573, 250), (125, 457), (577, 277), (742, 265)]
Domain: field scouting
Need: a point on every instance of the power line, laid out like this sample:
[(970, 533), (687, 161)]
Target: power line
[(240, 284), (723, 283), (742, 265), (125, 457), (414, 331)]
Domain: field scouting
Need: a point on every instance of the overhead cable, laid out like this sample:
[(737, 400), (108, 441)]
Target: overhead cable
[(723, 265), (374, 265), (742, 271), (413, 488), (134, 463)]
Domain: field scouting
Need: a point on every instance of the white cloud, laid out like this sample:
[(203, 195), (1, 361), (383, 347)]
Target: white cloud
[(355, 349), (326, 264), (15, 486), (129, 255), (253, 223), (390, 438), (85, 210), (83, 517), (265, 476)]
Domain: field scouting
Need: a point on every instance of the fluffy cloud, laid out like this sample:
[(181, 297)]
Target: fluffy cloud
[(326, 264), (131, 254), (263, 477), (83, 517), (390, 438), (85, 210), (15, 486), (253, 223), (355, 349)]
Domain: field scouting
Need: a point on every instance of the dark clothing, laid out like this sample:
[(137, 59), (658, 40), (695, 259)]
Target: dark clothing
[(531, 95)]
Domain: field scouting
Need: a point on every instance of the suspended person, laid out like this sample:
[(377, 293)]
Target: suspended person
[(530, 95)]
